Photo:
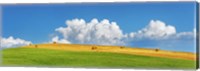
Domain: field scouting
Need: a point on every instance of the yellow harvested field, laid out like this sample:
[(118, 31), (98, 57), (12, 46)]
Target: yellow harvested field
[(117, 49)]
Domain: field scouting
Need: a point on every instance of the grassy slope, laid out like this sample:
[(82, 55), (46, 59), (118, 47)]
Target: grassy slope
[(117, 49), (47, 57)]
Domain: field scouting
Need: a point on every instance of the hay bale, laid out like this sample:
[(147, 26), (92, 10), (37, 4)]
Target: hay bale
[(122, 47), (36, 46), (30, 44), (94, 48), (157, 49), (54, 42)]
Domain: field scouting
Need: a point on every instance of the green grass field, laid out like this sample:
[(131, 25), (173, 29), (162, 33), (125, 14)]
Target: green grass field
[(59, 58)]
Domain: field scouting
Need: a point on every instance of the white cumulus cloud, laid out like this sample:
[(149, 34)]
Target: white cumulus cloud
[(186, 35), (158, 30), (13, 42), (105, 32), (94, 32), (155, 30)]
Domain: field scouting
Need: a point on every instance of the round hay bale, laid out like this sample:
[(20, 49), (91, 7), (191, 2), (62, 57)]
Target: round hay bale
[(54, 42), (121, 47), (36, 46), (30, 44), (93, 48), (157, 49)]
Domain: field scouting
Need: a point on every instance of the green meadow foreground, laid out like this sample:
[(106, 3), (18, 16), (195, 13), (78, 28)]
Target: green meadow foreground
[(30, 56)]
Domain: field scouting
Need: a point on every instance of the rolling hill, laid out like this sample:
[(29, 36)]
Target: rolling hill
[(76, 55)]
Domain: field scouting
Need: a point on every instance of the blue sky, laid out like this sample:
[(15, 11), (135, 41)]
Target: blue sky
[(37, 22)]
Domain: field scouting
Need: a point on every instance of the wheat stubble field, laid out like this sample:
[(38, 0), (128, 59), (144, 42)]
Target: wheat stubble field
[(77, 55)]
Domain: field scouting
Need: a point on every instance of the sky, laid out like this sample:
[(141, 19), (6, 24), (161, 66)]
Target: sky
[(168, 26)]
